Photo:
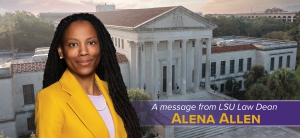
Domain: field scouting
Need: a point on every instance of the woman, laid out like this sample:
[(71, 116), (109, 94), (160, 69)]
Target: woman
[(84, 94)]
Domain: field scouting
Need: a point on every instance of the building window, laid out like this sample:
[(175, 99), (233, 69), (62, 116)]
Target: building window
[(222, 88), (119, 42), (30, 123), (180, 44), (222, 71), (203, 70), (240, 65), (28, 93), (249, 64), (231, 66), (288, 58), (280, 62), (112, 39), (213, 69), (193, 76), (272, 64), (122, 43), (116, 44), (193, 42), (240, 84)]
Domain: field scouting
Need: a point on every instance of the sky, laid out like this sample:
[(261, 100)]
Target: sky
[(204, 6)]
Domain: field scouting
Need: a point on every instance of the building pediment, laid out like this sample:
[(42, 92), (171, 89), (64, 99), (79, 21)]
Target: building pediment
[(177, 18)]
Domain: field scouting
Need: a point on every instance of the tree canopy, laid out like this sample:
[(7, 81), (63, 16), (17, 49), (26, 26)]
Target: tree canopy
[(229, 85), (258, 92), (24, 31), (257, 74), (245, 26), (293, 33), (283, 84)]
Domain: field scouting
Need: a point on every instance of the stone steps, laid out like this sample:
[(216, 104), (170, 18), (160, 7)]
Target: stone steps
[(201, 132)]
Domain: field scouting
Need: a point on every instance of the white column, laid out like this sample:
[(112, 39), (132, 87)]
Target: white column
[(177, 74), (138, 64), (183, 67), (154, 69), (169, 68), (143, 66), (276, 61), (284, 57), (200, 60), (207, 66), (196, 65), (132, 65)]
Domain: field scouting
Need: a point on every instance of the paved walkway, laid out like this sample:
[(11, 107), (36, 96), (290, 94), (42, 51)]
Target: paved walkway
[(260, 132), (222, 131)]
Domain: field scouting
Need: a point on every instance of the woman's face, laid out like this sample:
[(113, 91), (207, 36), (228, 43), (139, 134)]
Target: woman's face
[(80, 48)]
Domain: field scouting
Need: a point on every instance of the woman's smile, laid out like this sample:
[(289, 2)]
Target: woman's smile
[(85, 63)]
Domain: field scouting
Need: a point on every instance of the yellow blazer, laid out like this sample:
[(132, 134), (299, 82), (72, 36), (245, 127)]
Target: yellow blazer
[(63, 110)]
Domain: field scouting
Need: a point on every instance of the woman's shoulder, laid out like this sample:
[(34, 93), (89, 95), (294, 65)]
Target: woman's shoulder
[(52, 90)]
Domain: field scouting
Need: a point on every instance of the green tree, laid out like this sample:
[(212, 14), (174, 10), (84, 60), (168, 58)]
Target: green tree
[(268, 11), (226, 26), (244, 25), (293, 34), (258, 92), (274, 35), (228, 85), (2, 134), (138, 95), (24, 31), (283, 84), (142, 107), (257, 74), (264, 25)]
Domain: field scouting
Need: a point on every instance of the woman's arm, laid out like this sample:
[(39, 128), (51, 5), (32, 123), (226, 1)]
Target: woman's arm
[(48, 116)]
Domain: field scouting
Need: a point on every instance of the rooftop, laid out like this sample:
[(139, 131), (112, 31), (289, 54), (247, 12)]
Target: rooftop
[(130, 17), (259, 43), (217, 49)]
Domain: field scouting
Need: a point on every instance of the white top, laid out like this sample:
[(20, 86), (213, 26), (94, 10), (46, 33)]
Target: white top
[(99, 103)]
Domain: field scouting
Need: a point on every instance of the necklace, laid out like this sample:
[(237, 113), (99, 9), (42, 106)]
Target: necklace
[(101, 109)]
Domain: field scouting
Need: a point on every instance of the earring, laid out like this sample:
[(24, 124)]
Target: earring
[(61, 57)]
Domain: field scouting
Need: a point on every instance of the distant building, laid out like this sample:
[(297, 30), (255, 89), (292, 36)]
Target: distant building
[(199, 13), (52, 16), (105, 7), (286, 17), (226, 15), (233, 56)]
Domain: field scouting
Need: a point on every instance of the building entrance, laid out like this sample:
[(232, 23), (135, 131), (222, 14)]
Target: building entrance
[(165, 78)]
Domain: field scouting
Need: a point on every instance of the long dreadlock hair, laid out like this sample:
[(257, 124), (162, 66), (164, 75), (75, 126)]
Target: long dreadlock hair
[(108, 70)]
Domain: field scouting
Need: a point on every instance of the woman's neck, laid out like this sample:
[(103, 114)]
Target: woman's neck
[(88, 84)]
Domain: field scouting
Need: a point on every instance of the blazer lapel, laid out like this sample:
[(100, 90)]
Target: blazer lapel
[(82, 106), (104, 89)]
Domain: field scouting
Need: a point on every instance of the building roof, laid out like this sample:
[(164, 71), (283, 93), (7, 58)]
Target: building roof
[(121, 58), (40, 66), (217, 49), (28, 67), (135, 18), (130, 17)]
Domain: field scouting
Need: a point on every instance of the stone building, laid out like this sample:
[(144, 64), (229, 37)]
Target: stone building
[(157, 47)]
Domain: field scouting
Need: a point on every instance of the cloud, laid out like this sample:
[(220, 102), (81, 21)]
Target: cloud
[(146, 0), (37, 6), (242, 6), (205, 6), (214, 2), (2, 11)]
